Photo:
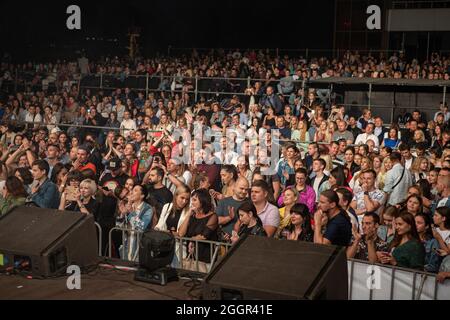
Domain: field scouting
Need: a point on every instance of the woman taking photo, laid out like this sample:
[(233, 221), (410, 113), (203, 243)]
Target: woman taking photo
[(13, 195), (407, 250), (84, 201), (386, 230), (250, 223), (299, 228), (201, 224), (135, 215)]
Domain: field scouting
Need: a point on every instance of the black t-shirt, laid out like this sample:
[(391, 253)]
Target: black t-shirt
[(339, 230), (207, 114), (173, 219), (92, 206), (159, 197), (108, 206)]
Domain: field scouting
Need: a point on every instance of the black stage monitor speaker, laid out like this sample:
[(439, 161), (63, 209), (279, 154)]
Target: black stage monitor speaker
[(44, 242), (266, 268)]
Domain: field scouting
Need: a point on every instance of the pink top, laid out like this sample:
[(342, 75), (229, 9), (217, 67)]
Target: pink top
[(307, 197)]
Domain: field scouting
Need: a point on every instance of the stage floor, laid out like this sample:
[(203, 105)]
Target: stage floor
[(101, 284)]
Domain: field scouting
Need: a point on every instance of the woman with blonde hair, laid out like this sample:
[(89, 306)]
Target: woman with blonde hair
[(290, 198), (329, 163), (321, 132), (381, 176), (420, 168), (419, 138), (84, 200), (173, 215)]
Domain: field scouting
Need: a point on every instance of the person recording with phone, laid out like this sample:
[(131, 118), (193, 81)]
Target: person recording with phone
[(406, 248), (81, 199), (250, 223)]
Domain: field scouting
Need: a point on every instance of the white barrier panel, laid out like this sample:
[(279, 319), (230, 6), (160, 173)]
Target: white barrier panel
[(377, 282)]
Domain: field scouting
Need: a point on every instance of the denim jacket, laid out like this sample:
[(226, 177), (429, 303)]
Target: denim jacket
[(47, 195), (138, 222), (432, 258)]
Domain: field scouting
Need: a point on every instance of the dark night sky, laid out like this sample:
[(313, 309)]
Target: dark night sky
[(201, 23)]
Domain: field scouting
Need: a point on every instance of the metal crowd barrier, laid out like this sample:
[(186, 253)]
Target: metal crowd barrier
[(100, 234), (180, 252), (367, 281)]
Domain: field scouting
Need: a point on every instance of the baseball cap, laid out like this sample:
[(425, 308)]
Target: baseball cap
[(114, 164)]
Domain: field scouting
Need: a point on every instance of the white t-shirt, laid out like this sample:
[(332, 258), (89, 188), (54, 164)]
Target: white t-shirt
[(408, 163), (316, 187), (445, 234)]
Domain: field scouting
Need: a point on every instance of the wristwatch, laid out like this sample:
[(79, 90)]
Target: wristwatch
[(366, 193)]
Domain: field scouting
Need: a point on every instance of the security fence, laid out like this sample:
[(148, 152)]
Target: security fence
[(367, 281)]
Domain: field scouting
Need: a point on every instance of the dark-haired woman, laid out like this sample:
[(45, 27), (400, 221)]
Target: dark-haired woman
[(349, 157), (251, 224), (13, 195), (200, 225), (431, 245), (137, 216), (407, 250), (441, 219), (25, 176), (300, 227)]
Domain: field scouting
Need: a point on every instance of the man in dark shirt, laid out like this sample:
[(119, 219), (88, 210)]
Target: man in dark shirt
[(108, 184), (338, 226), (285, 132), (158, 194)]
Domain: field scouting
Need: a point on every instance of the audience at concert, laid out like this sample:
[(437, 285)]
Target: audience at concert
[(221, 168)]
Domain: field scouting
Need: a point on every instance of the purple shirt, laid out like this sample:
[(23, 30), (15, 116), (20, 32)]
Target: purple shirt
[(270, 216), (307, 197)]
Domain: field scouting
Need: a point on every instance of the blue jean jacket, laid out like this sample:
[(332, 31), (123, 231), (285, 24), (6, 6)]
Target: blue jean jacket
[(47, 196), (432, 258), (138, 222)]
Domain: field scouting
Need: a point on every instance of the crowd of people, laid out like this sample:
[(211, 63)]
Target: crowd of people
[(338, 178), (225, 68)]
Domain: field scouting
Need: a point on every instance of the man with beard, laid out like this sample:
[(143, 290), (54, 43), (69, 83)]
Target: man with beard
[(158, 193)]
